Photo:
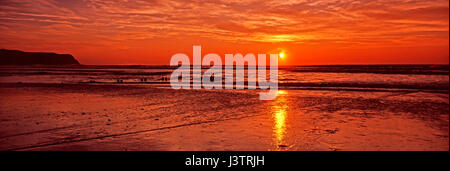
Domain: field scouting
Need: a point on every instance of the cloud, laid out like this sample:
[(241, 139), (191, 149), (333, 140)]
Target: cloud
[(335, 21)]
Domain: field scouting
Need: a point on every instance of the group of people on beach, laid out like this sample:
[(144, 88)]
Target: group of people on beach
[(143, 79)]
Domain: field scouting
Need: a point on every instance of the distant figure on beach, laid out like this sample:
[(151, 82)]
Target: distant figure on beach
[(143, 79), (164, 78), (119, 81)]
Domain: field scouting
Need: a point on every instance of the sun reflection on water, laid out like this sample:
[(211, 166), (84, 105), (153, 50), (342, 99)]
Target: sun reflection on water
[(279, 110)]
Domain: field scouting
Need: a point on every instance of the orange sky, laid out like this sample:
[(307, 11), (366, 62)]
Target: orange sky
[(309, 31)]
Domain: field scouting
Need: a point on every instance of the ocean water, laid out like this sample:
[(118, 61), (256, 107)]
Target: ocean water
[(377, 107), (434, 78)]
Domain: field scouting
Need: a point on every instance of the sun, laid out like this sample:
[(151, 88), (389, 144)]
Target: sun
[(282, 55)]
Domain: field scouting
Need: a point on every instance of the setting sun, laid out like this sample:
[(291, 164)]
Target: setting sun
[(282, 55)]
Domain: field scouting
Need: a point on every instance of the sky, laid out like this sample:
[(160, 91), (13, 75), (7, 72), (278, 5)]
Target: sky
[(309, 32)]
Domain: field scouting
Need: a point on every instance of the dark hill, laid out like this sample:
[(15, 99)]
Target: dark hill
[(15, 57)]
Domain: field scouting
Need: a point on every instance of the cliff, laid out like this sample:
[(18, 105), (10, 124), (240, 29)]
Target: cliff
[(15, 57)]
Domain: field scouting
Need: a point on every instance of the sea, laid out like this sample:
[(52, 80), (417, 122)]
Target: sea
[(428, 78)]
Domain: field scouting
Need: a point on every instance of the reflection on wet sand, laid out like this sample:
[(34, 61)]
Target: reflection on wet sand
[(86, 117), (279, 114)]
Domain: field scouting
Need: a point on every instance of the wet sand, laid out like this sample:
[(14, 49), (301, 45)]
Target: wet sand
[(103, 117)]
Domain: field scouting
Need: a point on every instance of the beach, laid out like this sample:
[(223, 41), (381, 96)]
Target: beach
[(60, 116)]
